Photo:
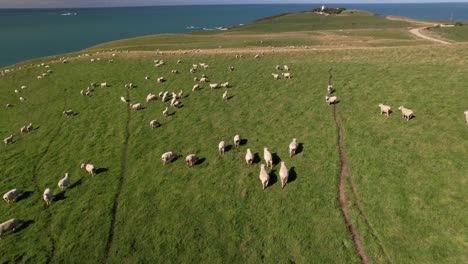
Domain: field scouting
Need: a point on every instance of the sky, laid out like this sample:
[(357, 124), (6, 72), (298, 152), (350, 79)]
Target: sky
[(116, 3)]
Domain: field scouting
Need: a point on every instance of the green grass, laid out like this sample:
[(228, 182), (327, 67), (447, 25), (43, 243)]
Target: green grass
[(458, 33)]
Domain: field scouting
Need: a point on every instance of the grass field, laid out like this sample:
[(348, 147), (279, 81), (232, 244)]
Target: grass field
[(409, 176), (458, 33)]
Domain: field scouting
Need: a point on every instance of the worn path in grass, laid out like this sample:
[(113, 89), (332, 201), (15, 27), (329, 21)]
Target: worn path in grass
[(417, 31)]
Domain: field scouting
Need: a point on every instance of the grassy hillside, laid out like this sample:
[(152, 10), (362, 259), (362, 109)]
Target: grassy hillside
[(458, 33), (408, 177)]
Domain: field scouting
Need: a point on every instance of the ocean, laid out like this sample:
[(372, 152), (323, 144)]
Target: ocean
[(32, 33)]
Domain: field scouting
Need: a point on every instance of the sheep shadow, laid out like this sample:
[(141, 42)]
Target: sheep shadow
[(412, 117), (180, 106), (273, 178), (171, 114), (59, 197), (292, 174), (300, 148), (256, 158), (243, 142), (229, 97), (227, 148), (276, 159), (24, 196), (76, 184), (199, 161), (25, 225), (101, 170)]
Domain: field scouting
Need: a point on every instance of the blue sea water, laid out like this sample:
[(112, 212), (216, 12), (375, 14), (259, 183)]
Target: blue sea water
[(31, 33)]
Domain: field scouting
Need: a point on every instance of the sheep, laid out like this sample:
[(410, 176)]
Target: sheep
[(286, 67), (195, 66), (384, 109), (205, 66), (174, 71), (160, 94), (173, 101), (406, 113), (22, 99), (29, 127), (23, 129), (123, 99), (231, 68), (12, 195), (150, 97), (89, 168), (180, 94), (249, 157), (154, 123), (192, 70), (8, 140), (104, 84), (221, 147), (16, 91), (196, 87), (284, 174), (39, 77), (137, 106), (268, 157), (277, 67), (10, 225), (195, 79), (331, 100), (179, 61), (203, 79), (293, 147), (47, 196), (174, 95), (256, 56), (330, 89), (94, 85), (168, 157), (213, 85), (68, 113), (225, 85), (237, 140), (191, 159), (165, 96), (64, 182), (276, 76), (166, 112), (264, 177), (23, 87), (160, 80), (287, 75), (466, 116), (146, 78), (92, 60), (225, 95)]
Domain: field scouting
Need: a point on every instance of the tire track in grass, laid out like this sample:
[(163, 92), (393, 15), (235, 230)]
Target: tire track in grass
[(123, 169), (342, 192)]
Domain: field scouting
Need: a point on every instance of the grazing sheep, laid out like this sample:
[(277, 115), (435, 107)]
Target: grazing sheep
[(165, 96), (277, 67), (264, 177), (203, 79), (191, 159), (137, 106), (293, 147), (64, 182), (161, 80), (160, 94), (94, 85), (22, 99), (47, 196), (195, 79), (10, 225), (256, 56), (104, 84), (213, 85), (286, 67), (23, 129), (179, 61), (225, 85), (8, 140), (23, 87), (237, 140), (466, 116), (154, 123), (284, 174), (406, 113), (225, 95), (89, 168), (150, 97), (12, 195), (192, 70), (287, 75), (16, 91), (68, 113), (221, 147), (168, 157), (268, 157), (196, 87), (330, 89), (177, 104), (384, 109), (174, 71), (180, 94), (331, 100), (231, 68), (146, 78), (249, 157), (276, 76), (123, 99), (166, 112)]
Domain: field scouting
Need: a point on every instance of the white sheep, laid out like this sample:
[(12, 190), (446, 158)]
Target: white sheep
[(249, 157), (225, 85), (150, 97), (276, 76), (174, 71), (466, 116), (287, 75), (168, 157), (225, 95), (104, 84), (330, 89), (64, 182), (204, 79), (256, 56), (284, 174), (47, 196), (68, 113), (146, 77), (191, 159), (166, 112), (22, 99), (277, 67), (196, 87), (293, 147), (160, 94), (180, 94), (16, 91), (384, 109), (12, 195), (137, 106), (29, 127), (161, 80), (165, 96), (39, 77), (286, 67), (221, 147), (406, 113), (264, 177), (268, 157), (89, 168), (23, 129), (10, 225), (331, 100), (8, 140), (123, 99), (231, 68), (237, 140), (23, 87), (179, 61), (154, 123)]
